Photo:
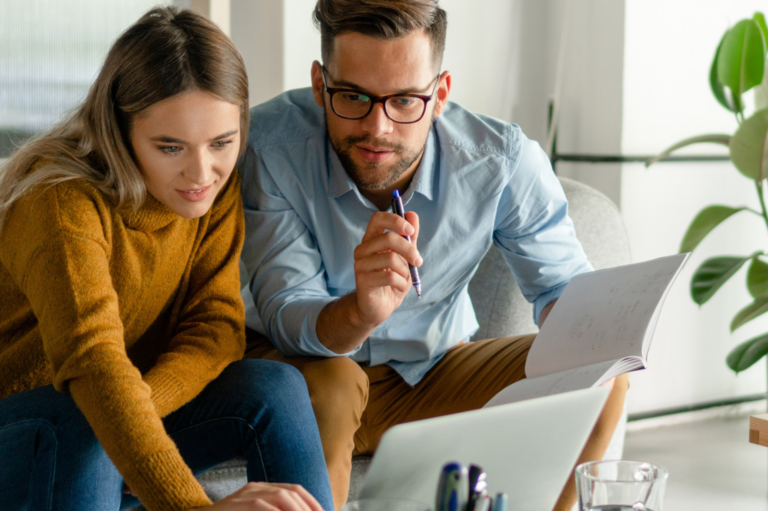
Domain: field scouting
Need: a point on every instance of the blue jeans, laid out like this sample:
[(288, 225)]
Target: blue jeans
[(256, 409)]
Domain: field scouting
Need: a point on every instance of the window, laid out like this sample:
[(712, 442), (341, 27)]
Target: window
[(50, 53)]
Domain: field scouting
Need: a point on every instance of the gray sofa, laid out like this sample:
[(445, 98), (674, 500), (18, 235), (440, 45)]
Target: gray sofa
[(501, 310)]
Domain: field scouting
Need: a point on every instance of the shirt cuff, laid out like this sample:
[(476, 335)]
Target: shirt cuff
[(303, 341), (543, 300)]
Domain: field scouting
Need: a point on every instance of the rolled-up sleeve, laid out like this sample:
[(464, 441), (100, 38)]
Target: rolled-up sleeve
[(286, 275), (533, 231)]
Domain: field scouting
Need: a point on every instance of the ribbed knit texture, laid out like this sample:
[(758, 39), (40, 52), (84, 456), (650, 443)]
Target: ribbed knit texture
[(131, 313)]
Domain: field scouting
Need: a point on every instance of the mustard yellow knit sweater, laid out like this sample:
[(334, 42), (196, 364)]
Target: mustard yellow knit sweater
[(132, 314)]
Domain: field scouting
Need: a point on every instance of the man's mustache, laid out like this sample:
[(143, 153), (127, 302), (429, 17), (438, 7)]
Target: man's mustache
[(367, 139)]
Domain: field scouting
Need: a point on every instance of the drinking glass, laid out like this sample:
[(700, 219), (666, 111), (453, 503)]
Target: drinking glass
[(620, 485), (384, 505)]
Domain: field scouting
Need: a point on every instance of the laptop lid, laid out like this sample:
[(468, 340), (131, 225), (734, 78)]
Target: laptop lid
[(528, 449)]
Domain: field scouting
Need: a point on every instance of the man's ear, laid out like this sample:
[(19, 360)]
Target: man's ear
[(442, 92), (317, 83)]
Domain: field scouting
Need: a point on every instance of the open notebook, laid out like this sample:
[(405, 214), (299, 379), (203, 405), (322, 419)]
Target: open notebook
[(600, 327)]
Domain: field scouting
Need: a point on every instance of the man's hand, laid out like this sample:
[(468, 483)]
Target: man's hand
[(382, 279), (545, 312), (267, 497)]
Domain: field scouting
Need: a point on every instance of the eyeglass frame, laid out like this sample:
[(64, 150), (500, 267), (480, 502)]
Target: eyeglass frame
[(379, 99)]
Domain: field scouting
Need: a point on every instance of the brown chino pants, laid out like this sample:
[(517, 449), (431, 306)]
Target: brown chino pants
[(355, 404)]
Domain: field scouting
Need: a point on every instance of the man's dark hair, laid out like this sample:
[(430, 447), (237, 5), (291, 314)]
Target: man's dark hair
[(383, 19)]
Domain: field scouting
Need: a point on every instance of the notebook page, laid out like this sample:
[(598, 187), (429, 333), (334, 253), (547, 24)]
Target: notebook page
[(602, 316), (557, 383)]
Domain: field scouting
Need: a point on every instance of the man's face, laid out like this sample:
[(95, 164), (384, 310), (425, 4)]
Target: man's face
[(375, 150)]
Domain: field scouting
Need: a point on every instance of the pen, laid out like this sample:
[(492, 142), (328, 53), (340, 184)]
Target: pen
[(397, 208), (476, 485), (483, 503)]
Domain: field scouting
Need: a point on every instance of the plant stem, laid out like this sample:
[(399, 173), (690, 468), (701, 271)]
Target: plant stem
[(759, 185)]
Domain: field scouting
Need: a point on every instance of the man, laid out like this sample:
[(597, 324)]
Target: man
[(328, 264)]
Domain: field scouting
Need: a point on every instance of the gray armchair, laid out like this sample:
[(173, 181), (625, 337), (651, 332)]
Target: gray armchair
[(501, 310)]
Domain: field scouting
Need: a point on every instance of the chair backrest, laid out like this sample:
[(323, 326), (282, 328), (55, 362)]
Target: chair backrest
[(500, 307)]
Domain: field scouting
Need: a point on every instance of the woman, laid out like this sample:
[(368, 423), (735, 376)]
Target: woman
[(120, 315)]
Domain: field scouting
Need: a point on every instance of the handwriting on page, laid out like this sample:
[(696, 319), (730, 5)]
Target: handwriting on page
[(603, 315)]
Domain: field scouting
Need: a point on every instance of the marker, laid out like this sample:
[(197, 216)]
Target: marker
[(397, 208), (500, 504), (452, 488)]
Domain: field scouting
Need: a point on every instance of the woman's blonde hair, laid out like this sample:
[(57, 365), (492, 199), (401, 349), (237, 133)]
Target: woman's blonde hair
[(167, 52)]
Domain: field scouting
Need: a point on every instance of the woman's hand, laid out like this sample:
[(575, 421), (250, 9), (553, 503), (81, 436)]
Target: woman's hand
[(267, 497)]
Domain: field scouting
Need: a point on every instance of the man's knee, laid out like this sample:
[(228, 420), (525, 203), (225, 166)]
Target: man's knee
[(336, 384)]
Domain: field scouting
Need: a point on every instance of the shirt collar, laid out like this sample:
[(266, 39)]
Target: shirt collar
[(423, 181), (339, 181)]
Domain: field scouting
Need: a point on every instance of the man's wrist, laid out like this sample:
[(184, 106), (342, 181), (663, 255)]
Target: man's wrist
[(341, 327), (352, 311)]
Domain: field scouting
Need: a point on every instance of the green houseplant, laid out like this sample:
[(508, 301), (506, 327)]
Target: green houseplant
[(739, 65)]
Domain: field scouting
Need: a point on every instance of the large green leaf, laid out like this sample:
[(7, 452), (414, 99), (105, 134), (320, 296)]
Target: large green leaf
[(714, 138), (741, 60), (718, 90), (750, 312), (757, 278), (747, 353), (760, 20), (761, 91), (707, 219), (748, 146), (712, 274)]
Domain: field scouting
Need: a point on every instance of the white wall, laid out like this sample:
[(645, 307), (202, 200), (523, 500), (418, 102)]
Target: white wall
[(477, 49), (668, 49), (257, 31)]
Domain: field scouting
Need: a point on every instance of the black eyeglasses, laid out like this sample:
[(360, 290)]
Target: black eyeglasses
[(400, 108)]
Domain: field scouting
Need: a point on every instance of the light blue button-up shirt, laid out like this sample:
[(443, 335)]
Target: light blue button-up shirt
[(480, 181)]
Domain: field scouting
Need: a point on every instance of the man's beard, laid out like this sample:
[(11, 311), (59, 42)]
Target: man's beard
[(373, 175)]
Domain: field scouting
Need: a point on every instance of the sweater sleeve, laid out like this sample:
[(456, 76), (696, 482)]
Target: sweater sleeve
[(211, 329), (64, 274)]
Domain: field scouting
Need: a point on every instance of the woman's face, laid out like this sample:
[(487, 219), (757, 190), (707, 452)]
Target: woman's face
[(186, 147)]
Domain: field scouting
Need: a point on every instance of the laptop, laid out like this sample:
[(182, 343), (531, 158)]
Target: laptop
[(528, 449)]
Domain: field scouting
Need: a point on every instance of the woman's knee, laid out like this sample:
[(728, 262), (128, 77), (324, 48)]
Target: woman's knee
[(46, 405), (264, 382), (45, 432)]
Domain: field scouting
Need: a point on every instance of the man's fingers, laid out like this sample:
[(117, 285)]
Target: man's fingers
[(389, 241), (413, 219), (380, 262), (382, 221), (385, 279)]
